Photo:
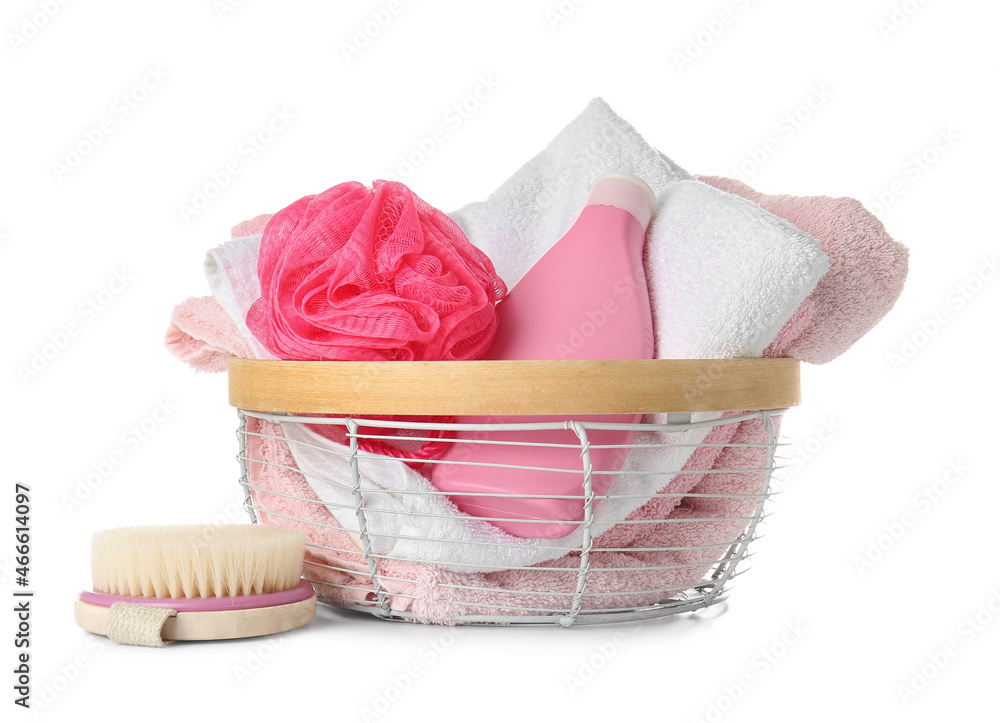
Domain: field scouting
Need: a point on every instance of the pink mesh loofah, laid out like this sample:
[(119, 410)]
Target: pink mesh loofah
[(359, 274), (373, 274)]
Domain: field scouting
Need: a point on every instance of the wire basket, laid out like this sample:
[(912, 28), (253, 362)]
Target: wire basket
[(666, 538)]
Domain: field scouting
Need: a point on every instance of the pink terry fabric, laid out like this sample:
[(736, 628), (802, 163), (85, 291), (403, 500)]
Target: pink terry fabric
[(202, 334), (254, 227), (628, 576), (792, 330), (867, 267)]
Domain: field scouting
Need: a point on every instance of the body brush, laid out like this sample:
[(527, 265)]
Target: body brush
[(195, 582)]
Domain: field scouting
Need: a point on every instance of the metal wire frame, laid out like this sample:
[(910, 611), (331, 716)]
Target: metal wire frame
[(711, 589)]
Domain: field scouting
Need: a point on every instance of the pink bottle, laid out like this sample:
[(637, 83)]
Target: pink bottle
[(586, 298)]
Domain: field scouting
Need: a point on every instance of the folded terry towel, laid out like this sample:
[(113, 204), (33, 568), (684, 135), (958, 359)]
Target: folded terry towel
[(632, 565), (409, 520), (724, 275), (532, 209), (867, 268), (231, 270), (204, 335)]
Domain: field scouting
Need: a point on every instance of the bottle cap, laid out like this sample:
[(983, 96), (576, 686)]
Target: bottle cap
[(625, 191)]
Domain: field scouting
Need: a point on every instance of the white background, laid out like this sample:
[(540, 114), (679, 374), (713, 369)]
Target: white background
[(893, 428)]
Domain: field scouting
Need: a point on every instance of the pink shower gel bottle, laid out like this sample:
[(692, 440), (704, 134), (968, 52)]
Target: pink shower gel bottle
[(586, 298)]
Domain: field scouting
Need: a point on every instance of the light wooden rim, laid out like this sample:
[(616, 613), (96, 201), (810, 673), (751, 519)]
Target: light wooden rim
[(212, 625), (513, 387)]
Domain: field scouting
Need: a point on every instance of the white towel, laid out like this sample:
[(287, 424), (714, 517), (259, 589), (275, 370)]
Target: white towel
[(724, 276), (231, 270), (532, 209), (408, 523)]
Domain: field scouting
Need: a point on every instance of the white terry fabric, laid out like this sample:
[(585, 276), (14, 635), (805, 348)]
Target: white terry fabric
[(532, 209), (390, 487), (231, 270), (724, 276)]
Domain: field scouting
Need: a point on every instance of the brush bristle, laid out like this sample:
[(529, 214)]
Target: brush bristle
[(196, 561)]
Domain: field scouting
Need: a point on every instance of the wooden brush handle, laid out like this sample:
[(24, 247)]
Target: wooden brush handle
[(213, 625)]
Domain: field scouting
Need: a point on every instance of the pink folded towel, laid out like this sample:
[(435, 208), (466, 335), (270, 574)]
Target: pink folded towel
[(631, 575), (254, 227), (203, 334), (866, 275)]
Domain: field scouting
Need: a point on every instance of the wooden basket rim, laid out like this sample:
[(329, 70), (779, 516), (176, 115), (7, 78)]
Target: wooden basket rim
[(451, 388)]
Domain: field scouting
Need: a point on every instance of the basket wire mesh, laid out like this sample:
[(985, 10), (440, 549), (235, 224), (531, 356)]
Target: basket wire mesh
[(363, 579)]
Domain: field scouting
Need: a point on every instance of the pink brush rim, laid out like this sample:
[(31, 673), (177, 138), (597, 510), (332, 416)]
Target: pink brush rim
[(302, 591)]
